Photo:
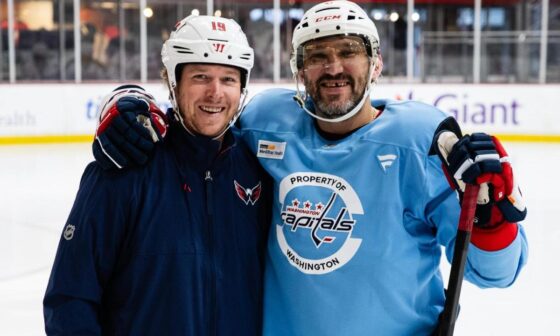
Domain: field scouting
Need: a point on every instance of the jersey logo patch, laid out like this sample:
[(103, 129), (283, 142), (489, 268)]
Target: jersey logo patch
[(271, 149), (315, 231), (315, 218), (248, 195), (386, 161)]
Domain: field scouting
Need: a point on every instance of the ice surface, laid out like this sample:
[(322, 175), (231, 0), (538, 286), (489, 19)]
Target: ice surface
[(38, 184)]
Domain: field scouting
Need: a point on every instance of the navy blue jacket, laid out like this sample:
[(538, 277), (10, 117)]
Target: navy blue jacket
[(172, 248)]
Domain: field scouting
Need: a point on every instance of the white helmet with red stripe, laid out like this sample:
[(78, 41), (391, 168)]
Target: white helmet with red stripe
[(334, 18)]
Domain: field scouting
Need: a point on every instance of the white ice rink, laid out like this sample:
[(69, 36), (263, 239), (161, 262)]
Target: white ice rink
[(38, 184)]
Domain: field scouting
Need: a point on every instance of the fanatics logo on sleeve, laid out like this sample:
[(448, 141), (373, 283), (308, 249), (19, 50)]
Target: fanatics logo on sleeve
[(386, 161), (271, 149), (248, 195)]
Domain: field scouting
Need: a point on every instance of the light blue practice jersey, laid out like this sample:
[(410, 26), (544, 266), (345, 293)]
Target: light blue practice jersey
[(358, 224)]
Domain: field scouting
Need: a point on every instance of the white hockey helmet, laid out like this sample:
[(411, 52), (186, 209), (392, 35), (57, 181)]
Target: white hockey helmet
[(334, 18), (210, 40)]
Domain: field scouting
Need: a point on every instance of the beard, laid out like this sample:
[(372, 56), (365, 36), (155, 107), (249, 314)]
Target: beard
[(334, 107)]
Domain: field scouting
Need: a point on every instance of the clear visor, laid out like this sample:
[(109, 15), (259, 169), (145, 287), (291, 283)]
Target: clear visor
[(318, 55)]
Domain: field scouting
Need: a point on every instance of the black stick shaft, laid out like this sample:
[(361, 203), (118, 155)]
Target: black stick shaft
[(449, 314)]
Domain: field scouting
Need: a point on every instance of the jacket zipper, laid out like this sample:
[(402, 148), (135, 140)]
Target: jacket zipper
[(212, 271)]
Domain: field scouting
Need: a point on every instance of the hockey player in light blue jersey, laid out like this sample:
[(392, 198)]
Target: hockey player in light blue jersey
[(361, 209)]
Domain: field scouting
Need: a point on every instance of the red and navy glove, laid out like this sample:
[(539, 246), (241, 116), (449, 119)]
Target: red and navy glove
[(130, 123), (481, 159)]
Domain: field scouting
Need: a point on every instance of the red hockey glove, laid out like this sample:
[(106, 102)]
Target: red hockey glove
[(130, 123), (481, 159)]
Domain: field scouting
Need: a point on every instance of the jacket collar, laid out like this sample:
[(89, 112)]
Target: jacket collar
[(198, 150)]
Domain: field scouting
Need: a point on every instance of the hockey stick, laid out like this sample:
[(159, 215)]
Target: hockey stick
[(448, 317)]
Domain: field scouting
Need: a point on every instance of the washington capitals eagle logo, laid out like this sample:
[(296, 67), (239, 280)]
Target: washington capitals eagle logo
[(248, 195)]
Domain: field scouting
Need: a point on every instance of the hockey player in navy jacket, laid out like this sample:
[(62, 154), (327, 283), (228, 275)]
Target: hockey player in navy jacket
[(175, 247)]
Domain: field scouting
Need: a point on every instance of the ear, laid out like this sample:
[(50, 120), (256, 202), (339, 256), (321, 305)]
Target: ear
[(299, 76), (377, 68), (176, 92)]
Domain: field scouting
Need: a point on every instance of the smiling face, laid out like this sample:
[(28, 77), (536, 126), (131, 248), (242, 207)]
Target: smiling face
[(208, 97), (335, 71)]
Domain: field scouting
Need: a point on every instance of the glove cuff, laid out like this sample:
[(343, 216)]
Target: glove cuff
[(494, 239)]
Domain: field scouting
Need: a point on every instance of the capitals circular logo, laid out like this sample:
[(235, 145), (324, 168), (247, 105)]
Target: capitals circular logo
[(316, 221)]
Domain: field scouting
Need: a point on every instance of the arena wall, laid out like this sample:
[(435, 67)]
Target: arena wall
[(57, 113)]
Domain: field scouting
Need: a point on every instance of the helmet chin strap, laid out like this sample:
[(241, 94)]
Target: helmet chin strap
[(176, 111), (308, 106), (179, 117)]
